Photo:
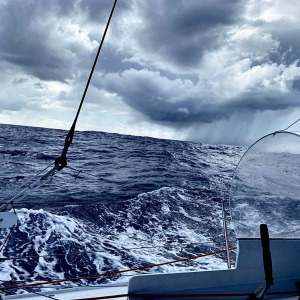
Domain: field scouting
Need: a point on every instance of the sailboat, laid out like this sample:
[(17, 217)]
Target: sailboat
[(264, 206)]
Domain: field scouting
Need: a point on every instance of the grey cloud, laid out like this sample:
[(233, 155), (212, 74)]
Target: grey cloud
[(99, 10), (32, 39), (180, 31), (12, 104), (284, 31), (289, 49), (112, 61), (183, 102), (296, 84), (25, 39), (207, 62), (177, 31), (18, 81), (40, 85)]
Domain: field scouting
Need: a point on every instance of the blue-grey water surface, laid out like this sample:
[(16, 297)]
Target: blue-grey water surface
[(132, 201)]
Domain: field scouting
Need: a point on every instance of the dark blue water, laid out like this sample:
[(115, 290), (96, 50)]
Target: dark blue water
[(137, 201)]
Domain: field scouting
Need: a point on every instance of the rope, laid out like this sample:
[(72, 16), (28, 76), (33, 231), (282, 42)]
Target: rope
[(32, 186), (31, 183), (35, 185), (110, 273), (26, 182), (289, 126), (287, 232), (62, 160), (11, 230)]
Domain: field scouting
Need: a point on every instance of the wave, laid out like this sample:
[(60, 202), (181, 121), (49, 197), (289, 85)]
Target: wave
[(139, 201)]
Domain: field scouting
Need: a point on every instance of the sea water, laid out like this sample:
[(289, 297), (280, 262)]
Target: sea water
[(125, 202)]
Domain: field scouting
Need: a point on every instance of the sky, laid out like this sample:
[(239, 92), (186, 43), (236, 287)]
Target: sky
[(205, 71)]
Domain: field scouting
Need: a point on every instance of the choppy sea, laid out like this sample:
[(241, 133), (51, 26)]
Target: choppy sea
[(124, 202)]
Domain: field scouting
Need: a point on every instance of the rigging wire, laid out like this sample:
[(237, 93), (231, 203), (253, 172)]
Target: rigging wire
[(35, 185), (26, 182), (31, 183), (112, 273), (10, 232), (36, 182), (61, 161), (290, 126)]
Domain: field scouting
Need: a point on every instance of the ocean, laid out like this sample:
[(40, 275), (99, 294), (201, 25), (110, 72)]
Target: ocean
[(123, 202)]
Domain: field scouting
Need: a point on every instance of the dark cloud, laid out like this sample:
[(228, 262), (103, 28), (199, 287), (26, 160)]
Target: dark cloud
[(183, 102), (175, 63), (180, 31), (112, 61), (289, 49), (25, 38), (296, 84), (18, 81), (97, 11), (38, 35)]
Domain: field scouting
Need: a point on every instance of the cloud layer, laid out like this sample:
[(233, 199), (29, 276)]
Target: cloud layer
[(175, 69)]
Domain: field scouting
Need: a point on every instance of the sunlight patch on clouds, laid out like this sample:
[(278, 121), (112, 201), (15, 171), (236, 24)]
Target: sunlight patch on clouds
[(274, 10)]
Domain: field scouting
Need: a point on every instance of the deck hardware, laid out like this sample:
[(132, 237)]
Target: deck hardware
[(267, 261)]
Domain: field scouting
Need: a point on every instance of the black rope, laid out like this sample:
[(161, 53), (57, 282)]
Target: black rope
[(11, 230), (62, 160), (12, 205)]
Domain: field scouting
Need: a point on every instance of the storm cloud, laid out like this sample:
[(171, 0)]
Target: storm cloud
[(182, 67), (182, 101), (175, 34)]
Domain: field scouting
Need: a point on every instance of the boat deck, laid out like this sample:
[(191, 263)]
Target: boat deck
[(77, 293)]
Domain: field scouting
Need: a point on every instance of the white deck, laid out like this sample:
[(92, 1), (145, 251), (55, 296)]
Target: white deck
[(78, 293), (246, 278)]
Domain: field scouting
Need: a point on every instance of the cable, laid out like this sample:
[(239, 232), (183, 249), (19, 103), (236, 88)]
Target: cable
[(21, 194), (290, 126), (24, 187), (111, 273), (62, 160), (11, 230)]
